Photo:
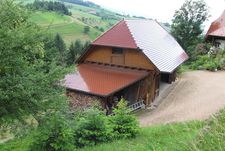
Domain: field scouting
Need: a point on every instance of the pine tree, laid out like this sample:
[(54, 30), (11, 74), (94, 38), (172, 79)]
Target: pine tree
[(61, 47), (78, 46), (86, 29), (86, 44), (71, 55)]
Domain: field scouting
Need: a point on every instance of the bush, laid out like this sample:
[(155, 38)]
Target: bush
[(207, 63), (56, 134), (124, 125), (92, 128)]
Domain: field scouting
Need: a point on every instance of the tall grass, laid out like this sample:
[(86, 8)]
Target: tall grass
[(212, 136)]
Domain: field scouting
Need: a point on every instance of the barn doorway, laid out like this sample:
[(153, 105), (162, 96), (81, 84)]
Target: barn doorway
[(168, 77)]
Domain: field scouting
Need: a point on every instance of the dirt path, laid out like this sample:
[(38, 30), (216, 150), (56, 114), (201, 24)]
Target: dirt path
[(197, 96)]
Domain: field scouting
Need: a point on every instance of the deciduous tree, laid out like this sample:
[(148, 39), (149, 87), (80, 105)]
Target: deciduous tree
[(27, 82), (187, 23)]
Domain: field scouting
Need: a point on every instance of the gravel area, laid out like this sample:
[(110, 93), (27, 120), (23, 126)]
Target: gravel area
[(196, 96)]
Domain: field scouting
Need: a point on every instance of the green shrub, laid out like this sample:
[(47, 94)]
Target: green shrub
[(92, 128), (207, 63), (124, 125), (213, 61), (56, 134)]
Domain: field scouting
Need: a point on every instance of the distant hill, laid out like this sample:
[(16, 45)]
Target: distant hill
[(84, 13), (81, 2), (72, 27)]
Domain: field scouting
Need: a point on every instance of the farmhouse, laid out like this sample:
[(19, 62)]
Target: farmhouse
[(216, 32), (129, 60)]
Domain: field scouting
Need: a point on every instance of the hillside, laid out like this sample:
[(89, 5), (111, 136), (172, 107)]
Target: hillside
[(69, 27), (72, 27)]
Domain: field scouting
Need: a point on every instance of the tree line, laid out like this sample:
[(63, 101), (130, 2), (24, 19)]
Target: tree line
[(50, 6), (31, 62), (81, 2)]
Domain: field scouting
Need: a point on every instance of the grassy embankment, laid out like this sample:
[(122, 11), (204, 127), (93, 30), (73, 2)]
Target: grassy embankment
[(190, 136), (162, 137)]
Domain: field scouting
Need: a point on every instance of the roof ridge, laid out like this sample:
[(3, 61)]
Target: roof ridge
[(131, 34), (147, 19)]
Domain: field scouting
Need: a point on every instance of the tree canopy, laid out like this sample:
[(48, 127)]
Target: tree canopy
[(187, 23), (27, 74), (75, 50), (49, 6)]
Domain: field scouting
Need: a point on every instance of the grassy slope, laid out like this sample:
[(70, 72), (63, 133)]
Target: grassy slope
[(71, 27), (170, 137), (190, 136), (212, 137), (193, 136), (49, 18)]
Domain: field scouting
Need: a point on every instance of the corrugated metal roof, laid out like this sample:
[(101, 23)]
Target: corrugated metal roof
[(118, 36), (102, 80), (217, 28), (157, 44)]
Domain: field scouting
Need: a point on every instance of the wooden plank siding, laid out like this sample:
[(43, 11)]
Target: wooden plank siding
[(129, 58)]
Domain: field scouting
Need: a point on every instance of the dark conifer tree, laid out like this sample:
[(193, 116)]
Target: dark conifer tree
[(61, 47)]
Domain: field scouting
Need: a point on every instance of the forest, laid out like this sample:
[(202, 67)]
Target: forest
[(49, 6)]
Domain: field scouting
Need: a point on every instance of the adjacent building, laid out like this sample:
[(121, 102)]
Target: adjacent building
[(216, 32)]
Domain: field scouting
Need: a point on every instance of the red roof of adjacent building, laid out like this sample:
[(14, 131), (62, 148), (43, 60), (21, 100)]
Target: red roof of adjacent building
[(118, 36), (102, 80), (217, 28)]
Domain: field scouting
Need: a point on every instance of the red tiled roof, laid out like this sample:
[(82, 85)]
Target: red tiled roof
[(217, 28), (102, 80), (118, 36)]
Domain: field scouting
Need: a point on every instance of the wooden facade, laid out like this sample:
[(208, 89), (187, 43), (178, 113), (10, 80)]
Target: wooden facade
[(128, 58), (146, 89)]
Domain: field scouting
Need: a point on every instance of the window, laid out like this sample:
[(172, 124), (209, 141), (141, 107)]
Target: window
[(117, 51)]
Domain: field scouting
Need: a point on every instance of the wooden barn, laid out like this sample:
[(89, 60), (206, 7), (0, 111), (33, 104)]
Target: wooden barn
[(128, 61)]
